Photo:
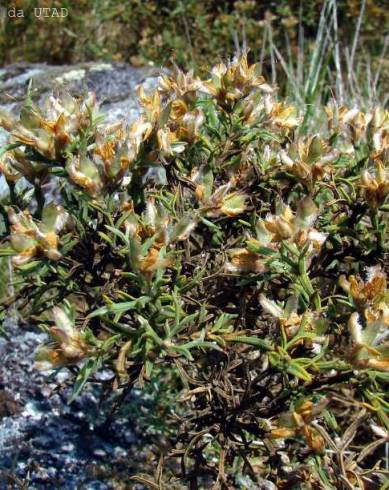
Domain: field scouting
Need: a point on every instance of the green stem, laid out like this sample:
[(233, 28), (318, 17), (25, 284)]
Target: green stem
[(4, 214), (40, 199), (377, 232), (307, 284), (12, 193)]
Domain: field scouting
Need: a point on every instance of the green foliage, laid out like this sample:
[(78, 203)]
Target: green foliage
[(193, 33), (217, 248)]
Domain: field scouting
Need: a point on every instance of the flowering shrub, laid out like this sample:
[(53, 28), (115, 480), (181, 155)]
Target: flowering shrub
[(213, 248)]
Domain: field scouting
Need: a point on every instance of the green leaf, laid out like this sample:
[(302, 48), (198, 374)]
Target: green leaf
[(106, 238), (118, 233), (241, 339), (121, 307), (268, 252), (90, 367), (295, 369), (9, 147), (7, 252)]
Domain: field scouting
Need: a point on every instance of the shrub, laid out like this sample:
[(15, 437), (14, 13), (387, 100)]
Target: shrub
[(217, 250)]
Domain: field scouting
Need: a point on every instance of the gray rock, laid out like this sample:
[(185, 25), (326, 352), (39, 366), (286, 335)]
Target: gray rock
[(113, 83), (49, 444)]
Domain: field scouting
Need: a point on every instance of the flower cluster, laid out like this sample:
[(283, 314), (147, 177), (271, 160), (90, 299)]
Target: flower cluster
[(68, 346), (29, 238), (369, 326)]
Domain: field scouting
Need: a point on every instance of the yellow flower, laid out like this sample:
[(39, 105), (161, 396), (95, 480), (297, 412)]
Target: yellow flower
[(85, 173), (168, 142), (202, 178), (152, 104), (139, 132), (375, 189), (156, 220), (233, 81), (50, 130), (352, 124), (290, 320), (287, 317), (29, 238), (282, 226), (14, 165), (308, 160), (369, 330), (243, 260), (369, 293), (180, 84), (68, 345), (296, 228), (189, 125), (7, 167), (153, 224), (298, 422), (370, 347), (152, 262), (379, 130), (222, 202), (112, 152), (281, 116)]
